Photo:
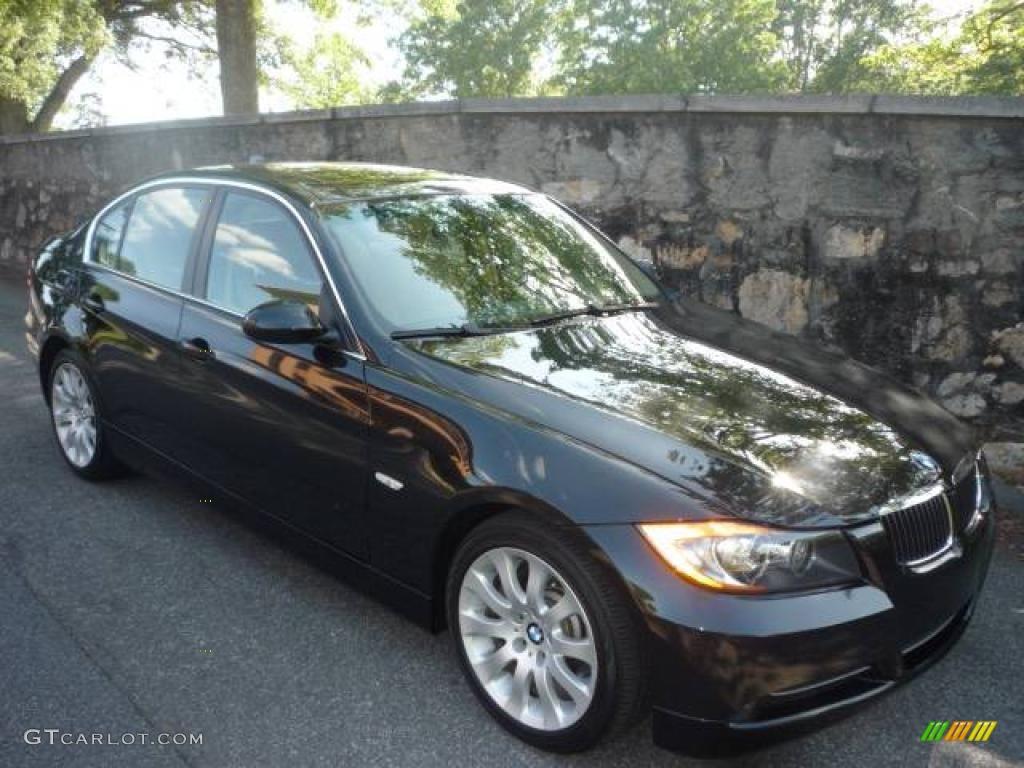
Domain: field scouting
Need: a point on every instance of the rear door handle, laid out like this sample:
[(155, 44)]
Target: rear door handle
[(64, 279), (197, 348), (93, 301)]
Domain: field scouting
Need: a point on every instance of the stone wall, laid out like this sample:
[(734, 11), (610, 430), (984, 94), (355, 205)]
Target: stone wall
[(891, 228)]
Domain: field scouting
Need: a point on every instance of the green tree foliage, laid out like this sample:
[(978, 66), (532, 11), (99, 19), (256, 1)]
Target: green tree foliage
[(794, 27), (248, 48), (506, 48), (623, 46), (330, 73), (46, 46), (824, 42), (994, 47), (38, 40), (35, 35), (481, 48), (986, 56), (487, 48), (526, 47)]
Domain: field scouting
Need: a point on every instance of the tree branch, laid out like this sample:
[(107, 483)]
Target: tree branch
[(180, 45), (998, 15), (59, 93), (1001, 13)]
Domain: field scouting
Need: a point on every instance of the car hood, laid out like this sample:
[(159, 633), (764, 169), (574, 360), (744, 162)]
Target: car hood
[(811, 439)]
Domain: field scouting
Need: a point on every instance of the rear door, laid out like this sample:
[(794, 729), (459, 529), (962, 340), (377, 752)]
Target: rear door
[(140, 259), (284, 426)]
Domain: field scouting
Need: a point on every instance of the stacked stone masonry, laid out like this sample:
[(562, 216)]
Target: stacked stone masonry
[(889, 228)]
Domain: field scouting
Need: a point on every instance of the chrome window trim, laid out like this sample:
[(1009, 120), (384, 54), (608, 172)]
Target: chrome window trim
[(139, 280), (359, 354)]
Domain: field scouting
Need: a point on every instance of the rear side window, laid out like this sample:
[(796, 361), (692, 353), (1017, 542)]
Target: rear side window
[(159, 234), (258, 255), (107, 237)]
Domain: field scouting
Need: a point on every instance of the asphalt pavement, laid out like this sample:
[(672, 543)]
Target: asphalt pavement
[(131, 607)]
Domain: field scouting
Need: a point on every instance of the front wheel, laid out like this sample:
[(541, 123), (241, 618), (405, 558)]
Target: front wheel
[(543, 635)]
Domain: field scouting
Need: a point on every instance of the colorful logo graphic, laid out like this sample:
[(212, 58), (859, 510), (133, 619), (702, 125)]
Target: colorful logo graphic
[(958, 730)]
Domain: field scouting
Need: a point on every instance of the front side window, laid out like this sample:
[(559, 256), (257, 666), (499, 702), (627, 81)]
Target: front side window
[(106, 238), (259, 255), (159, 234), (487, 260)]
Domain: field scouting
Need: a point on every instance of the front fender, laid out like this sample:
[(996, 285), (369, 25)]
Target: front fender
[(446, 461)]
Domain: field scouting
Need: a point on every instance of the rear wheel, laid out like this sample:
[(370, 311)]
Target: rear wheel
[(74, 413), (544, 637)]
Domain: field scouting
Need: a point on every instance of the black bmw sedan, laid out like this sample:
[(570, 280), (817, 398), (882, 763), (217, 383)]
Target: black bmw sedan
[(471, 403)]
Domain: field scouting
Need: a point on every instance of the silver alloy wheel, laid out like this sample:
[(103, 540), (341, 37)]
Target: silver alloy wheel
[(527, 638), (73, 415)]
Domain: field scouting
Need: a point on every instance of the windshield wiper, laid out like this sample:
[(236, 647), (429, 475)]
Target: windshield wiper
[(471, 329), (466, 329), (594, 310)]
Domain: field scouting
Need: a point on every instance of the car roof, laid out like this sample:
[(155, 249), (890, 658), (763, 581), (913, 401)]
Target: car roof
[(324, 183)]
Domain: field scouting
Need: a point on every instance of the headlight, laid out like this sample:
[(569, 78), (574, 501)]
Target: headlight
[(984, 501), (743, 557)]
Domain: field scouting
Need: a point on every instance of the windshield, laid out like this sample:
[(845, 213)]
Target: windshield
[(481, 260)]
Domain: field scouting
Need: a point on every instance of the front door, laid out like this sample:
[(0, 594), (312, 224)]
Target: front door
[(282, 425)]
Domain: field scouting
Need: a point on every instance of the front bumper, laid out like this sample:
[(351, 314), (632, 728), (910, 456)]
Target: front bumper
[(790, 712), (733, 672)]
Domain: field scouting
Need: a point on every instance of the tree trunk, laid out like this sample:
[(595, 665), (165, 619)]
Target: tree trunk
[(236, 45), (13, 116), (59, 93)]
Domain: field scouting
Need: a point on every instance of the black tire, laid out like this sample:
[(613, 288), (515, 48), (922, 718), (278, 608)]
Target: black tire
[(103, 465), (621, 679)]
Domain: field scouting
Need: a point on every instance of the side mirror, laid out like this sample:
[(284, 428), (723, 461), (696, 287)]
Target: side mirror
[(283, 322)]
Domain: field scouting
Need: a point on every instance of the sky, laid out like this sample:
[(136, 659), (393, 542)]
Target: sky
[(163, 89)]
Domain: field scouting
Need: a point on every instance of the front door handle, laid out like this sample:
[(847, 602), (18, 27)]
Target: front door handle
[(197, 348)]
